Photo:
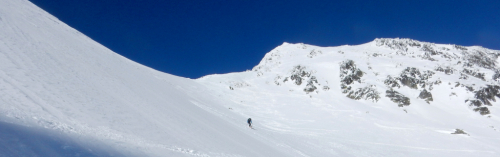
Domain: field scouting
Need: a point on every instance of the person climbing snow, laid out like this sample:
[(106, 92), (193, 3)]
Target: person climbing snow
[(249, 121)]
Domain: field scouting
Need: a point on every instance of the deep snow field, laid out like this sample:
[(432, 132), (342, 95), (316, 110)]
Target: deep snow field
[(75, 97)]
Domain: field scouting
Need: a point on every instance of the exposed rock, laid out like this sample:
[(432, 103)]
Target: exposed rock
[(460, 47), (482, 110), (391, 82), (349, 73), (277, 79), (310, 85), (314, 53), (475, 103), (428, 48), (309, 88), (326, 88), (298, 73), (484, 96), (481, 59), (368, 93), (397, 44), (459, 131), (411, 77), (312, 80), (427, 74), (345, 89), (410, 82), (427, 96), (302, 45), (450, 57), (428, 52), (468, 88), (444, 48), (474, 73), (496, 76), (438, 82), (397, 97), (463, 76), (447, 70), (453, 94), (487, 94), (286, 79)]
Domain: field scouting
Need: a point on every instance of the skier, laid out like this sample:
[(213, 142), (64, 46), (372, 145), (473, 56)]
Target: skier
[(249, 121)]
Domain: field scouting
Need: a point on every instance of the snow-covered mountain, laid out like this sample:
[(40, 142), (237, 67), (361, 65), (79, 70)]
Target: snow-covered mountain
[(388, 97), (398, 69)]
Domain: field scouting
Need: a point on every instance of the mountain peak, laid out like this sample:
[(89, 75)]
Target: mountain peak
[(417, 65)]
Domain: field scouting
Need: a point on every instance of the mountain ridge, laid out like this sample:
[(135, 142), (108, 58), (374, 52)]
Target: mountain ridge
[(411, 87), (483, 68)]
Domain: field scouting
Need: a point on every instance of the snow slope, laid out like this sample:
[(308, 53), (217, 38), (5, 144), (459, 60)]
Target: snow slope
[(298, 94), (55, 77), (304, 100)]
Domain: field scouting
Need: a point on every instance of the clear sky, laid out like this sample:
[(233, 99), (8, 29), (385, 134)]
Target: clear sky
[(193, 38)]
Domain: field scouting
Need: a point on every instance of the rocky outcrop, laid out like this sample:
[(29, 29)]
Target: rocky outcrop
[(410, 77), (474, 73), (314, 53), (397, 97), (397, 44), (427, 96), (496, 76), (445, 69), (299, 75), (484, 59), (429, 52), (458, 47), (367, 93), (350, 74), (483, 98), (391, 82), (482, 110), (310, 87), (459, 131), (487, 94)]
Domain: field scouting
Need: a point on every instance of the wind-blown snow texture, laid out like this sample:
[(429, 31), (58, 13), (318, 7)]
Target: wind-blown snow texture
[(388, 97)]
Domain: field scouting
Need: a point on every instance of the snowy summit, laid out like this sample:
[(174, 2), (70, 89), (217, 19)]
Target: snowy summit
[(388, 97)]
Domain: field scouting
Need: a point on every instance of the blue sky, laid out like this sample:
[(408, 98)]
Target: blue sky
[(192, 38)]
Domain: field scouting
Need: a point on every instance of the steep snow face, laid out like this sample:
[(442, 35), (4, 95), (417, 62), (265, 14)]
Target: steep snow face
[(57, 78), (388, 97)]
